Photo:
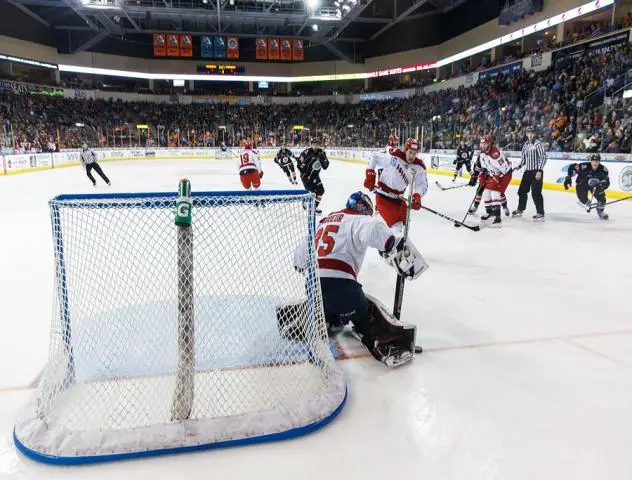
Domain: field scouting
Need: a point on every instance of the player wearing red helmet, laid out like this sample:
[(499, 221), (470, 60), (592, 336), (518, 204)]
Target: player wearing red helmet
[(250, 172), (398, 168), (495, 178)]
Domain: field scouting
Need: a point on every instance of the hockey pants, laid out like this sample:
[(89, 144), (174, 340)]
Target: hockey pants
[(97, 168)]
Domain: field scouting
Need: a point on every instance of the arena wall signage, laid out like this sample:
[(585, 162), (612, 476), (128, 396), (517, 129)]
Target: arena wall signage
[(493, 72), (439, 161), (601, 45)]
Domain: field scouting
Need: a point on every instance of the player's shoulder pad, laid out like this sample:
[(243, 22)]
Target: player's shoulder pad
[(494, 152), (420, 163), (397, 153), (604, 169)]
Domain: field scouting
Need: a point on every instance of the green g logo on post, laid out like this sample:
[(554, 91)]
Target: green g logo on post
[(184, 204)]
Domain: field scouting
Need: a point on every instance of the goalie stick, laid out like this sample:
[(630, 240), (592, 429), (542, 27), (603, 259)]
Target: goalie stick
[(401, 279), (452, 187)]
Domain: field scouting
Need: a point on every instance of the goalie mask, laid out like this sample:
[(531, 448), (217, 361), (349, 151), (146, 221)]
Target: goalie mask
[(361, 203)]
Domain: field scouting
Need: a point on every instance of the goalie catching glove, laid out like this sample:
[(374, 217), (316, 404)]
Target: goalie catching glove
[(405, 258)]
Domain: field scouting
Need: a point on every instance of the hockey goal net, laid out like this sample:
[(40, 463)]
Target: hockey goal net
[(171, 337)]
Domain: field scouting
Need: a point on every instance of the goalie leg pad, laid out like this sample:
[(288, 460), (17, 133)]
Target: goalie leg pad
[(388, 340), (292, 320)]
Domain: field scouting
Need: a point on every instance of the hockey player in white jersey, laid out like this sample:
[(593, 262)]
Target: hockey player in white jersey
[(398, 168), (250, 172), (342, 240), (496, 176)]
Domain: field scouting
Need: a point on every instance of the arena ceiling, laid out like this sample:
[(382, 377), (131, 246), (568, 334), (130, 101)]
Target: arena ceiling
[(350, 30)]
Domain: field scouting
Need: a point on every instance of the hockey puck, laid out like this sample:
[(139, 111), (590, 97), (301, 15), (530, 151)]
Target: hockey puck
[(457, 224), (418, 349)]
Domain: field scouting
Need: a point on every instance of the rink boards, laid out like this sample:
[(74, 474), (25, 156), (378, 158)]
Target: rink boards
[(438, 161)]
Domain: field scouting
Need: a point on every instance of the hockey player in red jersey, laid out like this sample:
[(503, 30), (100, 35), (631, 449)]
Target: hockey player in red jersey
[(496, 176), (342, 240), (250, 172), (398, 168)]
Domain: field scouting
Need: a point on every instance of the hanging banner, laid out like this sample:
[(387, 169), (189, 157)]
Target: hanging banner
[(298, 49), (286, 49), (173, 45), (219, 47), (273, 49), (206, 47), (186, 45), (232, 47), (262, 48), (160, 45)]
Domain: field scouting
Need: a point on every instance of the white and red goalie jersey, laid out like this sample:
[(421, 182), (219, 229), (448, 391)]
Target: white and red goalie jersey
[(342, 240), (396, 174), (495, 162), (249, 160)]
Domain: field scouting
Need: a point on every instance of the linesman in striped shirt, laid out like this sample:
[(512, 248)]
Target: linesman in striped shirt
[(533, 161)]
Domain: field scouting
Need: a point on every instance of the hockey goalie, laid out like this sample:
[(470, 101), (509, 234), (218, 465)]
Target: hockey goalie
[(342, 240)]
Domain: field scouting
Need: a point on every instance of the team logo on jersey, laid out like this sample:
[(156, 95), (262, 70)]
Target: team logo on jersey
[(625, 179)]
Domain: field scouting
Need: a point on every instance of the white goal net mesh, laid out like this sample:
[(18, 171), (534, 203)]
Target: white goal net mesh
[(167, 338)]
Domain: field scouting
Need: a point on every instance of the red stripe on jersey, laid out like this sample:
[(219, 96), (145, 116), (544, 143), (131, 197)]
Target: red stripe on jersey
[(334, 264), (386, 189)]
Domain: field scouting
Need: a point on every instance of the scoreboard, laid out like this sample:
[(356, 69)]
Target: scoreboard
[(217, 69)]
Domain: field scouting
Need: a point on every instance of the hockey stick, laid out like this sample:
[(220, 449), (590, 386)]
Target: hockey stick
[(401, 279), (452, 187), (224, 148), (474, 228), (462, 222), (594, 205)]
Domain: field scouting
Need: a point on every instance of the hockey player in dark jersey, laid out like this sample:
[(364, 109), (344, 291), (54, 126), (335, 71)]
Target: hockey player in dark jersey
[(476, 172), (464, 156), (284, 160), (309, 164), (592, 177)]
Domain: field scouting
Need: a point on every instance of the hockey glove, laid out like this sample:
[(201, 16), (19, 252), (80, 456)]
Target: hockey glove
[(593, 182), (416, 202), (603, 184), (472, 181), (568, 181), (369, 179), (454, 162)]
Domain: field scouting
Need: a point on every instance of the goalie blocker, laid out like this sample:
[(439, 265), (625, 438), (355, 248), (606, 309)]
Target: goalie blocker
[(342, 240)]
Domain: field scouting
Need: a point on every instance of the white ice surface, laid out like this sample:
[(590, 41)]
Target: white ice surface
[(528, 335)]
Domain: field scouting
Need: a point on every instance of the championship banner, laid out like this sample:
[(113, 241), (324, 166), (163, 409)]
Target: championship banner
[(273, 49), (298, 49), (286, 49), (186, 45), (206, 47), (173, 45), (232, 47), (262, 48), (160, 45), (219, 47)]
